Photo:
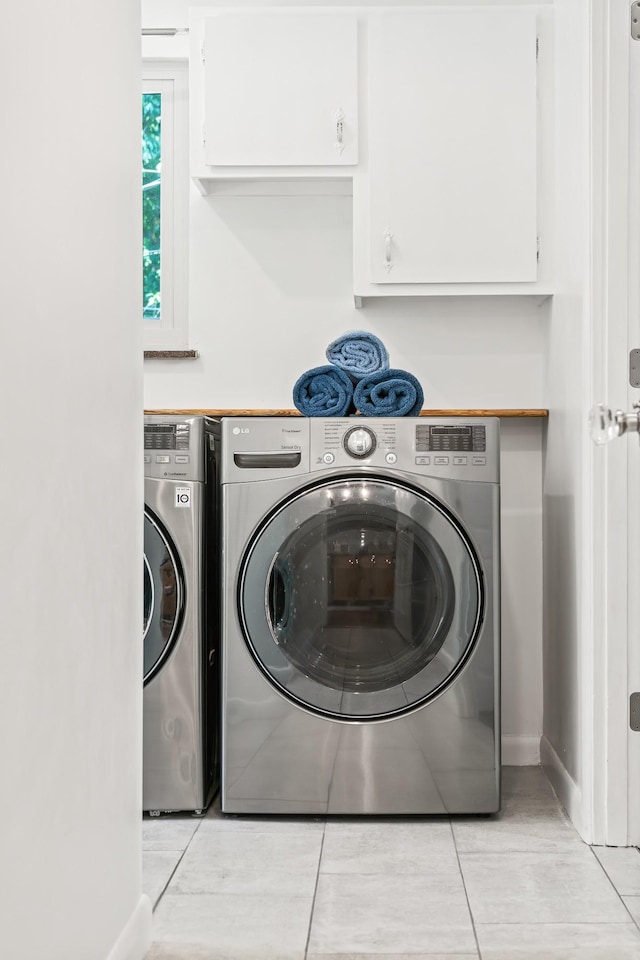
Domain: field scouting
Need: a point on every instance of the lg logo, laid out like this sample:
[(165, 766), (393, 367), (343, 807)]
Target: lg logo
[(183, 497), (237, 430)]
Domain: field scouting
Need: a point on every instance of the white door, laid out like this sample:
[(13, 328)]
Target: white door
[(617, 472), (633, 451), (280, 89), (452, 146)]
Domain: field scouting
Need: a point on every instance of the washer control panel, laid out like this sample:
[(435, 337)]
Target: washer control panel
[(173, 447)]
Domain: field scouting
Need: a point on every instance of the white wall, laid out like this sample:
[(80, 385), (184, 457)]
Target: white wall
[(71, 501), (567, 561), (271, 286)]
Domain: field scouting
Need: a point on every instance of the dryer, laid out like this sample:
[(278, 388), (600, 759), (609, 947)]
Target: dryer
[(361, 616), (181, 616)]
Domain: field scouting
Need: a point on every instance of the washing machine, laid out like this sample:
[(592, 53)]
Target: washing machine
[(361, 616), (181, 616)]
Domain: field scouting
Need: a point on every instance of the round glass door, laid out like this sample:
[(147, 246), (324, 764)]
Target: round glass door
[(163, 596), (360, 598)]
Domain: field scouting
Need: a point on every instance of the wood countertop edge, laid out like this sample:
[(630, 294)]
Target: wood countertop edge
[(525, 412)]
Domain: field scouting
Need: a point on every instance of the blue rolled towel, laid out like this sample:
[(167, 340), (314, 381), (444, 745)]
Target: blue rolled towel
[(323, 392), (359, 353), (389, 393)]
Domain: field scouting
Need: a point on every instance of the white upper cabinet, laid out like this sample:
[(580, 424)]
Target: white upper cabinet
[(280, 89), (453, 183), (451, 192)]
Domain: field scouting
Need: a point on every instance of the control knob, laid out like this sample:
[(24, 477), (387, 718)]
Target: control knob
[(360, 442)]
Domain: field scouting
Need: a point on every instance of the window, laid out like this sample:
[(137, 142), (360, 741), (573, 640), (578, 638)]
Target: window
[(165, 197)]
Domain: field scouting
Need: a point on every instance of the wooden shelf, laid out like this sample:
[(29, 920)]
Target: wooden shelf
[(524, 412)]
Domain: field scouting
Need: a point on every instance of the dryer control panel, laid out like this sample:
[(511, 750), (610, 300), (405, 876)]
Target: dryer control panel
[(452, 447), (256, 448), (173, 447)]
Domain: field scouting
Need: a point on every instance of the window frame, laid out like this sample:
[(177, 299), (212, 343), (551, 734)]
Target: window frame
[(170, 79)]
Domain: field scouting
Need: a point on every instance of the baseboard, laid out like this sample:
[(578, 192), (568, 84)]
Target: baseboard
[(520, 751), (135, 939), (565, 787)]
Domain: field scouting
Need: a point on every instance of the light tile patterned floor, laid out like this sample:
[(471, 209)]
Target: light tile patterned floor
[(519, 886)]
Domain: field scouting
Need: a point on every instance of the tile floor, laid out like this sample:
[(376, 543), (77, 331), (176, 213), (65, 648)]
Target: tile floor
[(519, 886)]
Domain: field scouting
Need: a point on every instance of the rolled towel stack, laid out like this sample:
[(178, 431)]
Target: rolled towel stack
[(357, 379), (324, 392), (389, 393), (359, 354)]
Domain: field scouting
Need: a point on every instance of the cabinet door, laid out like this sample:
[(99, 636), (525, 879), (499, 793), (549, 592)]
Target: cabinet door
[(452, 99), (280, 89)]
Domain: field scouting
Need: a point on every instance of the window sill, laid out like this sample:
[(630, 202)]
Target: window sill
[(171, 354)]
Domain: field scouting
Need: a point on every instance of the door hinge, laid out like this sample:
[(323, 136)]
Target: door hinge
[(204, 135), (635, 20), (202, 51), (537, 48), (538, 249), (634, 368), (634, 711)]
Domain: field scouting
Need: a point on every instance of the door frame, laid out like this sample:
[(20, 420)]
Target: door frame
[(613, 766), (633, 446)]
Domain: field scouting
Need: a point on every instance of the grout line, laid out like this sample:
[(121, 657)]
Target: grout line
[(464, 886), (179, 861), (315, 892), (620, 895)]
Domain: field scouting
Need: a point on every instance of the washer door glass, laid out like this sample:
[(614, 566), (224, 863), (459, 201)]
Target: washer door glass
[(163, 595), (361, 598)]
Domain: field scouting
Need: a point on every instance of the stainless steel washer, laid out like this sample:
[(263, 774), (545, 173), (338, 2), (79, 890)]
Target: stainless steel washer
[(361, 616), (180, 727)]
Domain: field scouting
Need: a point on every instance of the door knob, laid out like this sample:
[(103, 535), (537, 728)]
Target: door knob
[(605, 425)]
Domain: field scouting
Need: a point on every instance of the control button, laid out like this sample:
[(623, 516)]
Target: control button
[(478, 461), (441, 461), (328, 458), (147, 458), (391, 458), (163, 459), (423, 461), (457, 461), (360, 442), (181, 458)]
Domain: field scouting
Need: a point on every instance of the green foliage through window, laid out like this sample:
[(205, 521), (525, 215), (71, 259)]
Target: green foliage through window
[(151, 175)]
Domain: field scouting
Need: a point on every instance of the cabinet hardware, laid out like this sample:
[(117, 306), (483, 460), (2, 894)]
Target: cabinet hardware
[(634, 368), (387, 249), (339, 117)]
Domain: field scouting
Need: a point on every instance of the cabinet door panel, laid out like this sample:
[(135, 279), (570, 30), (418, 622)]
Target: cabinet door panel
[(452, 98), (277, 87)]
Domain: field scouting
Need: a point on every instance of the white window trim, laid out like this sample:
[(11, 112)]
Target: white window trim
[(170, 77)]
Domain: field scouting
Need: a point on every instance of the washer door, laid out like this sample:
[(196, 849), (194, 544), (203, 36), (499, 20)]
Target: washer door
[(360, 598), (163, 595)]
